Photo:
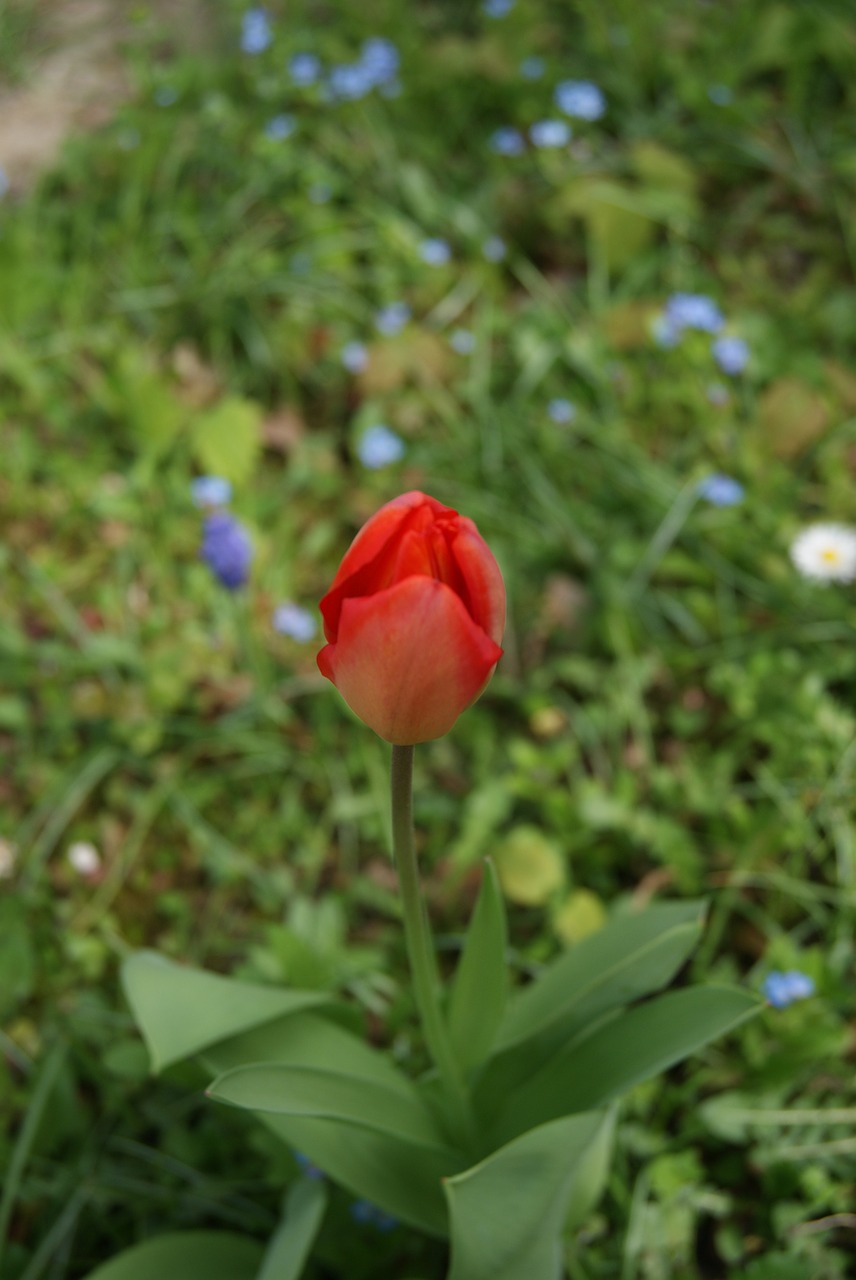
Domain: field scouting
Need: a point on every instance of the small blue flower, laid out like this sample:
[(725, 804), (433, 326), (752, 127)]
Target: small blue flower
[(693, 311), (210, 491), (580, 99), (320, 193), (720, 94), (392, 318), (354, 356), (256, 34), (166, 95), (550, 133), (462, 341), (731, 354), (226, 549), (306, 1166), (507, 141), (720, 490), (435, 252), (350, 82), (280, 128), (304, 69), (561, 411), (532, 68), (494, 249), (381, 59), (363, 1211), (497, 8), (783, 989), (379, 447), (291, 620)]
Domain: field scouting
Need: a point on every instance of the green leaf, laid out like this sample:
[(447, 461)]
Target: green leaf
[(306, 1039), (227, 439), (181, 1011), (328, 1095), (634, 954), (480, 986), (400, 1177), (188, 1255), (592, 1172), (290, 1245), (507, 1213), (630, 1047)]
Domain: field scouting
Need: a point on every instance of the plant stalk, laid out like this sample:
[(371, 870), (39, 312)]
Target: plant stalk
[(420, 946)]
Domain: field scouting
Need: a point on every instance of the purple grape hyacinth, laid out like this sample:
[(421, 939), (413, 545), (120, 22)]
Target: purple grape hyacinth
[(226, 549)]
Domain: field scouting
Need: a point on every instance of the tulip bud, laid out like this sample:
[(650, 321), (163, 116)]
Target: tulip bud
[(413, 620)]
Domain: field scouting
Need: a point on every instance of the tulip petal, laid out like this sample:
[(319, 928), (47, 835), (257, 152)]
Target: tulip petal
[(485, 588), (408, 660), (370, 562)]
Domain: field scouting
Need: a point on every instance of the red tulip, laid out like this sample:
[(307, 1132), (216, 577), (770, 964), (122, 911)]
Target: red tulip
[(413, 619)]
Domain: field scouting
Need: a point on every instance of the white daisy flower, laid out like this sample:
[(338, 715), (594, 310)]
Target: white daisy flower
[(826, 552), (84, 857)]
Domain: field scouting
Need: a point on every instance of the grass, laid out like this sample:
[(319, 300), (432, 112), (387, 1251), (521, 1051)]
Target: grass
[(674, 713)]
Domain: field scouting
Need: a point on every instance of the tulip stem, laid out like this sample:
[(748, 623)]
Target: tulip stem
[(420, 947)]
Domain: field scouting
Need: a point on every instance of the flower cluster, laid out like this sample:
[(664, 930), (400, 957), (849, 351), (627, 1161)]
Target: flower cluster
[(226, 547), (256, 34), (696, 311)]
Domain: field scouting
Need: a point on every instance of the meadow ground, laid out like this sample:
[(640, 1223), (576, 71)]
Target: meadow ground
[(585, 272)]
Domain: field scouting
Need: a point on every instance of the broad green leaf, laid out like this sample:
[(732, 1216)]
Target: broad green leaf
[(632, 955), (480, 985), (181, 1011), (507, 1213), (328, 1095), (227, 439), (292, 1240), (400, 1177), (630, 1047), (306, 1039), (593, 1172), (186, 1255)]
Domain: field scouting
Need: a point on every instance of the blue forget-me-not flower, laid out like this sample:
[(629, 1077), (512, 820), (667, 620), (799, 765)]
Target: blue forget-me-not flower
[(379, 447), (782, 989), (354, 356), (561, 411), (210, 491), (497, 8), (720, 490), (304, 69), (435, 252), (507, 141), (392, 318), (550, 133), (370, 1215), (580, 99), (731, 354), (280, 127), (256, 34), (290, 619), (494, 248)]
